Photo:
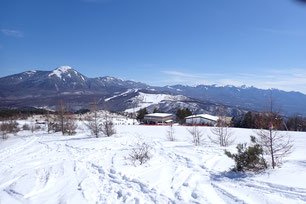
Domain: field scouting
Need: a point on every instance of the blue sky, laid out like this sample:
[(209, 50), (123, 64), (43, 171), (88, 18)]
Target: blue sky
[(160, 42)]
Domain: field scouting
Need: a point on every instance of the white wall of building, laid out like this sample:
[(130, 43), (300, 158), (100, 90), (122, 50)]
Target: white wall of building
[(199, 121)]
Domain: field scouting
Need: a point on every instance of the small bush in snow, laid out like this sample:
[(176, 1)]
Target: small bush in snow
[(8, 127), (222, 135), (170, 133), (70, 126), (108, 128), (140, 153), (35, 128), (197, 135), (4, 130), (276, 145), (248, 158), (94, 122), (94, 125), (26, 127), (13, 126)]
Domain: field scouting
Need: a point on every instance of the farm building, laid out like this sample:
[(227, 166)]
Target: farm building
[(202, 119), (158, 118)]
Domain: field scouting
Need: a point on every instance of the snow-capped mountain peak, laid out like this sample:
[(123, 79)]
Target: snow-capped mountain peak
[(62, 70), (28, 73)]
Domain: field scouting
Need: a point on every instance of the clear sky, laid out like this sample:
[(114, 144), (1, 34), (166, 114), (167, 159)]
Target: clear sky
[(160, 42)]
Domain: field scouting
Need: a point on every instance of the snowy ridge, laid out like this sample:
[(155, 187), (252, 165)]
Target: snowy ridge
[(144, 100), (30, 72), (122, 94)]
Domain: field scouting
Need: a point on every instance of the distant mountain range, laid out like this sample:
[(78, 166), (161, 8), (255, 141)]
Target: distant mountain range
[(46, 88)]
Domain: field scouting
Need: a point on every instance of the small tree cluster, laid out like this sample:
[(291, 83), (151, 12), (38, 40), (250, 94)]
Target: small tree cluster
[(19, 113), (97, 124), (296, 123), (248, 158), (257, 120), (274, 144)]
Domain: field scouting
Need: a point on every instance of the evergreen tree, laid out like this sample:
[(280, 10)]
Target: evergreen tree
[(181, 114), (237, 121), (248, 121), (188, 112), (156, 110), (248, 158), (141, 113)]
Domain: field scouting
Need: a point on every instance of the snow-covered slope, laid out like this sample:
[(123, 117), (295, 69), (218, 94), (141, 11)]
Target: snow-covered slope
[(144, 100), (51, 168), (121, 94)]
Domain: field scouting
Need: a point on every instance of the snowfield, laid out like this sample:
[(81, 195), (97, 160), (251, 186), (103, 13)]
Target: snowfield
[(51, 168)]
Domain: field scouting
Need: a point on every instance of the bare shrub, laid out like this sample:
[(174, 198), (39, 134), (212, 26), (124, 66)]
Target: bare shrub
[(50, 121), (65, 122), (4, 127), (7, 127), (93, 122), (26, 127), (108, 127), (35, 127), (61, 112), (221, 136), (197, 135), (275, 144), (70, 126), (221, 133), (94, 125), (140, 153), (13, 126), (52, 127), (170, 133)]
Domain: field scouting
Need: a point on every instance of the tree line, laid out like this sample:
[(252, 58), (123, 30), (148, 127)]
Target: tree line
[(262, 120), (61, 120)]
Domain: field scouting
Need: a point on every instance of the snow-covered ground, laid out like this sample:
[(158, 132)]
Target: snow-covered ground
[(51, 168)]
